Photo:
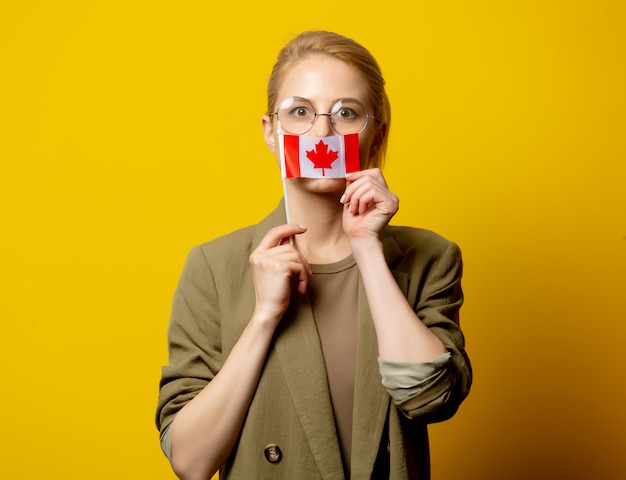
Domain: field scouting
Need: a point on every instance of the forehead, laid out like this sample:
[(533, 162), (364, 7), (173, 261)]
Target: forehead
[(323, 80)]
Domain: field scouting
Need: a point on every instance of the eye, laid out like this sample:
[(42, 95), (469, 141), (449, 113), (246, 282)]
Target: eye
[(300, 112), (346, 113)]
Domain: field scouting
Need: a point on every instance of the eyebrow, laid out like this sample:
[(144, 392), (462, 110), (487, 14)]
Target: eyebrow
[(334, 101)]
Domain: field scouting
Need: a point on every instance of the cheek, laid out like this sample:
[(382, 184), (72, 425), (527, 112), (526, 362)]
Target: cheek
[(365, 146)]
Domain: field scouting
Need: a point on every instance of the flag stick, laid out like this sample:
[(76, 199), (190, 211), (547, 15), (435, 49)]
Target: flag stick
[(282, 171), (286, 201)]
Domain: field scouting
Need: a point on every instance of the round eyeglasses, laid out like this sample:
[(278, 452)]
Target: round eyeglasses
[(297, 115)]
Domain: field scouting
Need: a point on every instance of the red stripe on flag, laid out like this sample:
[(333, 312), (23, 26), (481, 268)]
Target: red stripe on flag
[(351, 143), (292, 156)]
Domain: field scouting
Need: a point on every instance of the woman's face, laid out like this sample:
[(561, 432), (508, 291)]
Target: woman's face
[(323, 80)]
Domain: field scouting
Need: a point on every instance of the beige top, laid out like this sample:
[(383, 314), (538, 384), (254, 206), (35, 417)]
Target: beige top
[(333, 293)]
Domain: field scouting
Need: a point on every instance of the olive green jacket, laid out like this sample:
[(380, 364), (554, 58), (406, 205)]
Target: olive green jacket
[(291, 407)]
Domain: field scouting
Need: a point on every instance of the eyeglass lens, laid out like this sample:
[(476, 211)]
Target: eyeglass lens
[(297, 115)]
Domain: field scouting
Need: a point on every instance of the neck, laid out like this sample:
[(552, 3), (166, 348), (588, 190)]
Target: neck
[(324, 240)]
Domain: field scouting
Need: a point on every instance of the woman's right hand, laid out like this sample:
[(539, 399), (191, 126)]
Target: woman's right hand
[(275, 264), (205, 431)]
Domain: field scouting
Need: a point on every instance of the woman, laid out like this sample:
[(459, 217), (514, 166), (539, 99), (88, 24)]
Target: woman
[(322, 347)]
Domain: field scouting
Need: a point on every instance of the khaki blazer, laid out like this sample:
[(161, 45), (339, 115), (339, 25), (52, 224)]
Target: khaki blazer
[(291, 407)]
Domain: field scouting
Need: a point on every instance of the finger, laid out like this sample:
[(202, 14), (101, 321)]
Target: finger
[(303, 279), (372, 177), (374, 173), (363, 197), (296, 263), (299, 273), (288, 253), (366, 202), (351, 188), (278, 235), (275, 258)]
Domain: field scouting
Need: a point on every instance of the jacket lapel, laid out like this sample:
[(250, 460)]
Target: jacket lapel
[(298, 348), (300, 353)]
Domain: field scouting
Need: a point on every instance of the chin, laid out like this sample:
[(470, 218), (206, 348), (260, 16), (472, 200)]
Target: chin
[(322, 185)]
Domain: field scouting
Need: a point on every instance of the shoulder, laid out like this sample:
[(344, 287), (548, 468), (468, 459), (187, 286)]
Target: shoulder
[(211, 258), (235, 242), (409, 239), (221, 257), (233, 249), (418, 251)]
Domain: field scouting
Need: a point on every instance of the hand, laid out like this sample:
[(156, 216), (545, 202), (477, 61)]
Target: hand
[(368, 204), (275, 262)]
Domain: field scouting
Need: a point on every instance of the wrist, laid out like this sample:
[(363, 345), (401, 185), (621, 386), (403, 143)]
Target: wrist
[(364, 248), (266, 318)]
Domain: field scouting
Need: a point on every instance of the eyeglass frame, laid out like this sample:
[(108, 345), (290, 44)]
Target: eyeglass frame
[(329, 114)]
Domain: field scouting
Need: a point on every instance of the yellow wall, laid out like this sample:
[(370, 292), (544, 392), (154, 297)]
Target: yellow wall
[(129, 131)]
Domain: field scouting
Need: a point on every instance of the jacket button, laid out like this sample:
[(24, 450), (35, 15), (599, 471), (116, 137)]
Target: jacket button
[(273, 453)]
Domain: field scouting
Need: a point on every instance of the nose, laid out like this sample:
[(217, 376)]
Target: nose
[(322, 126)]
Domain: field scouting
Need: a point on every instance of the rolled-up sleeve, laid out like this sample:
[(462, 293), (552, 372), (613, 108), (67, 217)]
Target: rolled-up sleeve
[(165, 442), (404, 379)]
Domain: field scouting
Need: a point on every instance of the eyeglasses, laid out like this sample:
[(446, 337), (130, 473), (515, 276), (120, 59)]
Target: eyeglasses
[(297, 115)]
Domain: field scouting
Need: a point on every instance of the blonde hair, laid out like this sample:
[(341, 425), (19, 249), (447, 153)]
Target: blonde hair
[(320, 42)]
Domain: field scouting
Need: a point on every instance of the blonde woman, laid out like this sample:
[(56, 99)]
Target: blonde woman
[(320, 348)]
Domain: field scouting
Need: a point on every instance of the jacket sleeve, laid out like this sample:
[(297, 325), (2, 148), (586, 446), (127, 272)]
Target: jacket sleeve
[(194, 345), (438, 299)]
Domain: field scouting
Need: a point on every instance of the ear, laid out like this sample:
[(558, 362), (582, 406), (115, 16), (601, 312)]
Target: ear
[(268, 133)]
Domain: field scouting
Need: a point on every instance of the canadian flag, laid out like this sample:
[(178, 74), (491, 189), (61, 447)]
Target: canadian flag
[(311, 157)]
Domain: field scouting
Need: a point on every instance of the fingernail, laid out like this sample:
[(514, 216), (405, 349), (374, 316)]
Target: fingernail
[(343, 197), (302, 227)]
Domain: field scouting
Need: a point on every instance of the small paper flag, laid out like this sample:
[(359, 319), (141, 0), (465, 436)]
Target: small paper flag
[(312, 157)]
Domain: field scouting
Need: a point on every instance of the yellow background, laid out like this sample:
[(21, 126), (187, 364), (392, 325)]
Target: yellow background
[(130, 131)]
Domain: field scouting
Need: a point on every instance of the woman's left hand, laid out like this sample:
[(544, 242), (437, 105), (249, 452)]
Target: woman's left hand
[(368, 204)]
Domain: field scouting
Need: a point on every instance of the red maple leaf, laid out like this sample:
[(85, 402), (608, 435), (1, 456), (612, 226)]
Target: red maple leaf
[(322, 157)]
